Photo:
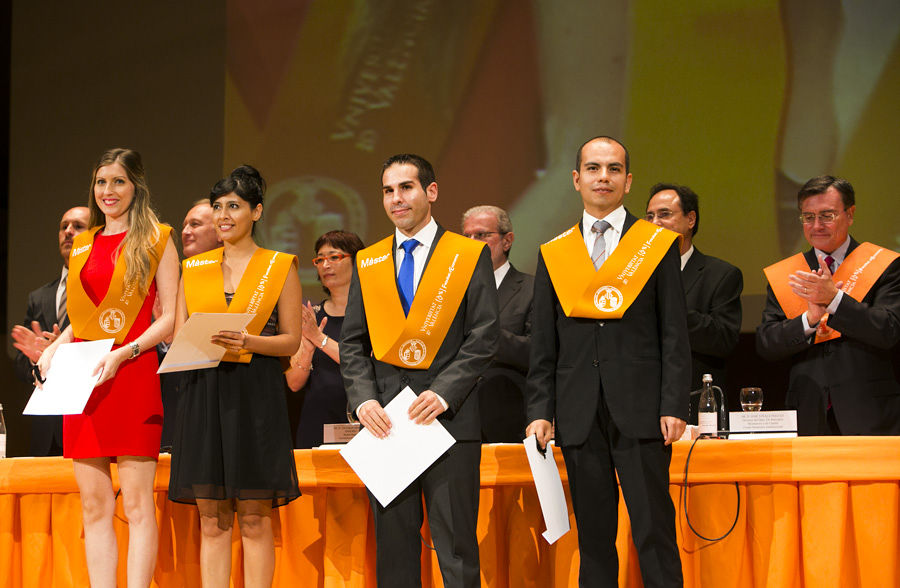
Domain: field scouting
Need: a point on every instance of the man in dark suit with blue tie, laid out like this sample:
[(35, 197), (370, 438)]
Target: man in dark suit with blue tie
[(617, 387), (712, 287), (422, 312), (45, 318), (502, 391)]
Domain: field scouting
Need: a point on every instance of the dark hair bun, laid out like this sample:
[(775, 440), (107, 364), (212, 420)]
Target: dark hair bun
[(249, 178)]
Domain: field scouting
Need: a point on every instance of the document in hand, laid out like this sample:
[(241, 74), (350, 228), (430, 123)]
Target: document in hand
[(192, 350), (549, 489), (70, 379), (387, 466)]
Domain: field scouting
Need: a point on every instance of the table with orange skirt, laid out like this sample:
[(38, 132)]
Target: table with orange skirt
[(813, 511)]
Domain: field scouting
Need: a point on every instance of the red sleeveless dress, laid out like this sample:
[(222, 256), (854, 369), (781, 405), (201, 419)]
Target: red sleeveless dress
[(124, 416)]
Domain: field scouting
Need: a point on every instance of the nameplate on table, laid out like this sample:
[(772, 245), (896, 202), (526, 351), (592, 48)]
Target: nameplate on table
[(765, 424), (339, 432)]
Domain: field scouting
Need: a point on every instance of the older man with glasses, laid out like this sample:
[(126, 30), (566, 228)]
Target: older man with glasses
[(501, 391), (834, 311)]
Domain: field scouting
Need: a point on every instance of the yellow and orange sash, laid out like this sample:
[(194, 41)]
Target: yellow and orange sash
[(412, 341), (859, 272), (122, 303), (257, 292), (608, 292)]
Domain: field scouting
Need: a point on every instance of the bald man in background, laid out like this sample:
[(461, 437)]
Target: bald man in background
[(45, 318)]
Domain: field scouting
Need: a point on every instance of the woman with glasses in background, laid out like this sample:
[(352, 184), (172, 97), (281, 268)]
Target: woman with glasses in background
[(315, 368)]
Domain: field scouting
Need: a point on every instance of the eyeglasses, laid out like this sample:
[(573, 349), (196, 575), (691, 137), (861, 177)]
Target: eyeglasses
[(825, 217), (333, 258), (661, 215), (482, 236)]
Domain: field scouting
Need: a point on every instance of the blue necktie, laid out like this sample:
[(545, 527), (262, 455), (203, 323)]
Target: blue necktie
[(405, 277)]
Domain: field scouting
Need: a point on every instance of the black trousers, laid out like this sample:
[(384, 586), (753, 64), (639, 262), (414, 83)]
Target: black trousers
[(643, 469), (450, 488)]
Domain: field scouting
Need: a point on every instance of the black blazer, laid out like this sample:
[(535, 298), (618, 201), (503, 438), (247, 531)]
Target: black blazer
[(641, 361), (855, 371), (502, 391), (712, 291), (41, 308), (465, 353)]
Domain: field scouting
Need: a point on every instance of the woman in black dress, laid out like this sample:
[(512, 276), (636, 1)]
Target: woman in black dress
[(232, 448), (315, 368)]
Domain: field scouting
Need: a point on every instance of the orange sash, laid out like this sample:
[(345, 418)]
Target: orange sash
[(413, 341), (859, 272), (122, 303), (257, 292), (608, 292)]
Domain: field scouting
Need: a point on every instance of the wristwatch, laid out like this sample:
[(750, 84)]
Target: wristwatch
[(324, 341), (135, 349)]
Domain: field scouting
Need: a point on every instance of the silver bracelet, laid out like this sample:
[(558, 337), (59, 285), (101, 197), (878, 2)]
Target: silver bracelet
[(324, 341), (135, 349)]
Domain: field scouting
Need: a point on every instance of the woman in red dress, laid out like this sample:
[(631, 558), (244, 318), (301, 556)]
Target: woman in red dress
[(120, 266)]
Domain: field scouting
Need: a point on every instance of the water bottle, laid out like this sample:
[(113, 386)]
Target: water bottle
[(2, 434), (708, 411)]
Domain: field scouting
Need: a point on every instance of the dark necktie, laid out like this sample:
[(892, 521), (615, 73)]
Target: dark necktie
[(598, 256), (829, 261), (405, 277)]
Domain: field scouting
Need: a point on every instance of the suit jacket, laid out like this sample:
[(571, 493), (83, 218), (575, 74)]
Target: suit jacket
[(854, 371), (712, 291), (502, 391), (639, 363), (41, 308), (465, 353)]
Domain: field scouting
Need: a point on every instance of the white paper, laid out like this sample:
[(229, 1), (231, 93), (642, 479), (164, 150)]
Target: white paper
[(549, 490), (192, 350), (764, 424), (69, 381), (387, 466)]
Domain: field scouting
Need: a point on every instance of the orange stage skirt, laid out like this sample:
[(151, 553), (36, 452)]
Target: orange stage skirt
[(814, 511)]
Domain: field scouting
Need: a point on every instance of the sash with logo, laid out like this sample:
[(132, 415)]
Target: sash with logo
[(608, 292), (117, 311), (257, 292), (412, 341), (859, 272)]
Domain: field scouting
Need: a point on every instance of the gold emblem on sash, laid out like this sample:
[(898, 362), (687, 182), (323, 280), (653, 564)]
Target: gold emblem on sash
[(608, 299), (112, 320), (413, 352)]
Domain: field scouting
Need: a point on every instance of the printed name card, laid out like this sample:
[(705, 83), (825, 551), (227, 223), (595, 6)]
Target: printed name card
[(339, 432), (766, 424)]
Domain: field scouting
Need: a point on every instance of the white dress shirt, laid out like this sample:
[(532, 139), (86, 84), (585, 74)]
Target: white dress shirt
[(501, 272), (425, 237), (686, 256)]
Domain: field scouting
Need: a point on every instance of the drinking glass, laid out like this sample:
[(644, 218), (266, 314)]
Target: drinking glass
[(751, 399)]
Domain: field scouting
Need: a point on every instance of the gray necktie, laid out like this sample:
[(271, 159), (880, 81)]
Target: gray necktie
[(598, 256), (61, 309)]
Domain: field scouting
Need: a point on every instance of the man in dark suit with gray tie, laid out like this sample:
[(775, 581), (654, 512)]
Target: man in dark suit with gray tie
[(610, 362), (501, 392), (422, 312), (45, 318), (712, 287)]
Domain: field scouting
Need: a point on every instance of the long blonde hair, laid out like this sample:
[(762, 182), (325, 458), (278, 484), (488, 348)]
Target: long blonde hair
[(143, 230)]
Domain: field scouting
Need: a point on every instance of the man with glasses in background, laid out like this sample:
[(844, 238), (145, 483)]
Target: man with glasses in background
[(712, 287), (501, 392), (834, 311)]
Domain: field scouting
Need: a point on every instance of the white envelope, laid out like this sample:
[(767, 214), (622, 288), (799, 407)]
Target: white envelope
[(549, 490), (191, 349), (69, 381), (387, 466)]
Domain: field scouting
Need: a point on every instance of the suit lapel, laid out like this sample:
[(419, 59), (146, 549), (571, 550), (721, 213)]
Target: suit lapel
[(49, 303), (692, 270), (509, 287)]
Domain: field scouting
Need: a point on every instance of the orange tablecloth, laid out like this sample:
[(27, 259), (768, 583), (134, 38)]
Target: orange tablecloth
[(813, 512)]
